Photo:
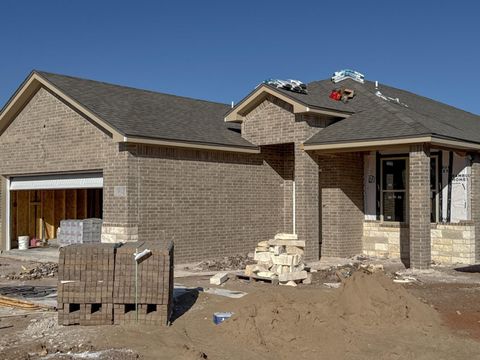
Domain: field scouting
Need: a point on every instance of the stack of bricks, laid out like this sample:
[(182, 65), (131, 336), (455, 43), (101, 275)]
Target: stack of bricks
[(155, 285), (85, 287), (96, 285)]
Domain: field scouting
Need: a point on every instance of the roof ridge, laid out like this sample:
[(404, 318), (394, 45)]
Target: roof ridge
[(40, 72)]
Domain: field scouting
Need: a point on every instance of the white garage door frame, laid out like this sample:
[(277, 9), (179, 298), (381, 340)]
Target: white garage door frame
[(92, 180)]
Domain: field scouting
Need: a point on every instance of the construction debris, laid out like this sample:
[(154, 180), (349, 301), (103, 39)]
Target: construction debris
[(234, 262), (290, 84), (280, 258), (348, 74), (219, 279), (40, 271), (16, 303)]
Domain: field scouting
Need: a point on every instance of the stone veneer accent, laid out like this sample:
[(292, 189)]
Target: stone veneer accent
[(450, 243), (113, 233)]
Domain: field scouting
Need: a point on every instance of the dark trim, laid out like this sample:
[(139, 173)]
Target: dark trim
[(449, 196), (378, 182), (440, 186)]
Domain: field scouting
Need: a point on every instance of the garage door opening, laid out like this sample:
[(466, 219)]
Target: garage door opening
[(38, 204)]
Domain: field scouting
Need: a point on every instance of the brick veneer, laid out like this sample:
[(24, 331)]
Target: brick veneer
[(419, 210), (273, 122), (475, 202), (48, 136), (341, 186), (209, 203)]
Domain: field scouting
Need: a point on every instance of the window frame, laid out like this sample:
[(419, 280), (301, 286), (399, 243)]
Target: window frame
[(438, 200), (405, 191)]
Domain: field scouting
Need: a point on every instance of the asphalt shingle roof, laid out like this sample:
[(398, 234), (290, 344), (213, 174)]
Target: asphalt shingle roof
[(148, 114), (376, 118)]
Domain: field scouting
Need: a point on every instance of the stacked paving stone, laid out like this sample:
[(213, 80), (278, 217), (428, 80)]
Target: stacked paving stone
[(96, 284), (155, 285), (85, 287), (280, 258)]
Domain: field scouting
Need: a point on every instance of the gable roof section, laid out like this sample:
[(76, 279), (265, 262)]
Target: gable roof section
[(300, 104), (134, 115)]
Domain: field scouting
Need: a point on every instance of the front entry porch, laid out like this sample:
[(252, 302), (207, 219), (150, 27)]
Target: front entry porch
[(418, 203)]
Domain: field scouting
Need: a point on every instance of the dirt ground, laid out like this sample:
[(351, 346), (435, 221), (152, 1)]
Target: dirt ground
[(437, 316)]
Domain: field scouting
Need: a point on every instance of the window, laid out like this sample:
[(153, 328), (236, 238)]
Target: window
[(394, 185), (394, 189), (434, 189)]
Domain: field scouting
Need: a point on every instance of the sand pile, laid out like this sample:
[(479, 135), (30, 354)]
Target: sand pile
[(304, 322)]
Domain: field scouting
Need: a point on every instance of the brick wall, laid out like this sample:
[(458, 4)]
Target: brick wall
[(475, 202), (341, 187), (273, 122), (209, 203), (48, 136), (419, 202)]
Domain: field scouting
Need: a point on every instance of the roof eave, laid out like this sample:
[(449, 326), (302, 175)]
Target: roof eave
[(363, 145), (190, 144)]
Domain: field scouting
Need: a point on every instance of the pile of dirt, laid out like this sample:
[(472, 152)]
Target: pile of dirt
[(368, 317), (234, 262), (40, 271)]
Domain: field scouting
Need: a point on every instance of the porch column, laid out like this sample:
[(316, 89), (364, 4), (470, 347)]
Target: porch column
[(419, 206), (475, 202), (306, 202), (3, 211)]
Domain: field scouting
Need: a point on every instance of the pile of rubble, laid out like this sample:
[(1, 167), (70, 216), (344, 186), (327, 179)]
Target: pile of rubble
[(234, 262), (281, 259), (40, 271)]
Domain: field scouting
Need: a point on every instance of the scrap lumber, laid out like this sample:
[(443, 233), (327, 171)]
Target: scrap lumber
[(16, 303)]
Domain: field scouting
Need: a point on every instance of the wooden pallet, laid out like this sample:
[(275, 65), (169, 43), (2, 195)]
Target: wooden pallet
[(255, 278)]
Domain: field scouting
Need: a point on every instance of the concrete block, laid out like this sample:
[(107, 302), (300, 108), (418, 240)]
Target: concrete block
[(289, 283), (307, 280), (300, 275), (277, 249), (285, 259), (284, 236), (219, 278), (263, 244), (262, 256), (262, 249), (294, 250), (267, 274)]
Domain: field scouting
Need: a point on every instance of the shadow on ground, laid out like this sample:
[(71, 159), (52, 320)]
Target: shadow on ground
[(469, 269), (183, 300)]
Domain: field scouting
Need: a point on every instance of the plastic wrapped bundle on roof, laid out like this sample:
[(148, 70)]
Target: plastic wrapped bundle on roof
[(348, 74), (291, 85)]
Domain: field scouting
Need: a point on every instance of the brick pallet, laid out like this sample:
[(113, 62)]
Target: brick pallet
[(155, 285), (97, 284)]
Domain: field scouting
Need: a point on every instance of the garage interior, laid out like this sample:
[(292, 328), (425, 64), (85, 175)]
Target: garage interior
[(38, 204)]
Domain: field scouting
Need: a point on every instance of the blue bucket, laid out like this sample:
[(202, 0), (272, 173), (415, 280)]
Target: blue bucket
[(220, 317)]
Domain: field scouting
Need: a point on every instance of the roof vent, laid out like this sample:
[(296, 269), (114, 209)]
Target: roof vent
[(348, 74), (291, 85)]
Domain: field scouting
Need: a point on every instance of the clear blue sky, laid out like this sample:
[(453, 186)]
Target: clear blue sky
[(220, 50)]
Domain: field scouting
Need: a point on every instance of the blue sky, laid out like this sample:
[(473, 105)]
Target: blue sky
[(220, 50)]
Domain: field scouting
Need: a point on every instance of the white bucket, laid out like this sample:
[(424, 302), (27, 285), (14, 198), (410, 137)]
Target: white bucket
[(23, 242)]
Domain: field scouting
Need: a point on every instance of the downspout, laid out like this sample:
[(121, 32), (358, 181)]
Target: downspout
[(8, 240), (293, 212)]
